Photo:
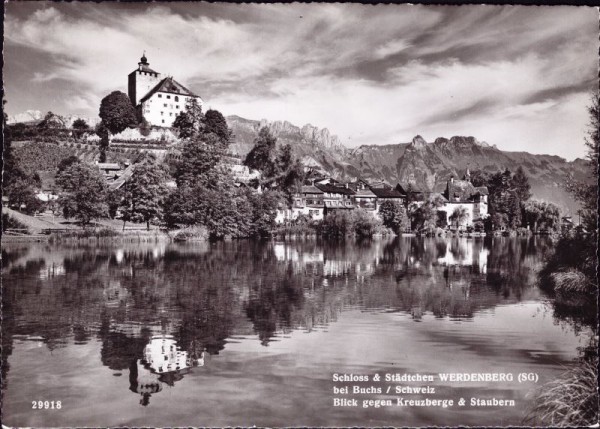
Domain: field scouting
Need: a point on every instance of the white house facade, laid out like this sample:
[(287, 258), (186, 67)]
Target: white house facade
[(157, 99)]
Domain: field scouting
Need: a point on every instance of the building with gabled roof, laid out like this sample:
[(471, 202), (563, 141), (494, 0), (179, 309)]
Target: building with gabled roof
[(158, 99), (462, 195)]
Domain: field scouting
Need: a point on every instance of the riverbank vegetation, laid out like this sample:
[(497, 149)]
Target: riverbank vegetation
[(570, 276)]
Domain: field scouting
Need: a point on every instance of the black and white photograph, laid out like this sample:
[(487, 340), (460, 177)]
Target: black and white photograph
[(299, 215)]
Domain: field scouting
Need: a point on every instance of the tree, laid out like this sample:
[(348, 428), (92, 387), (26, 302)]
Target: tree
[(586, 192), (80, 127), (520, 183), (200, 162), (66, 162), (190, 123), (22, 194), (480, 178), (425, 216), (11, 170), (259, 157), (459, 215), (214, 122), (117, 112), (83, 195), (103, 133), (279, 168), (393, 215), (144, 191)]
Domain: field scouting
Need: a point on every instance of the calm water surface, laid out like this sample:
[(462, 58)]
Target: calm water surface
[(246, 333)]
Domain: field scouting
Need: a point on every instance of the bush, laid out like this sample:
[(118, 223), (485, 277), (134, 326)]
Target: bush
[(192, 233), (9, 222), (352, 222)]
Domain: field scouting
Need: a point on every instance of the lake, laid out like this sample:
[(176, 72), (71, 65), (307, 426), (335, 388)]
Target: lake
[(248, 333)]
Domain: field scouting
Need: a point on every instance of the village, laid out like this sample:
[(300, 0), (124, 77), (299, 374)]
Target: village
[(162, 105)]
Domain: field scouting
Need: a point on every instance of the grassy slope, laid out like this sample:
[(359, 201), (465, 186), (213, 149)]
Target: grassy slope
[(46, 221)]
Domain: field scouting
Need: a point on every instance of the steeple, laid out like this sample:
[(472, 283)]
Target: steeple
[(143, 60), (467, 175)]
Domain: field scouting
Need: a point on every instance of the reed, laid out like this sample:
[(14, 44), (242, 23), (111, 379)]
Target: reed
[(569, 401)]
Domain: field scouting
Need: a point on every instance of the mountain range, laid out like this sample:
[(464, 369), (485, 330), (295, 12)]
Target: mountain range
[(429, 164)]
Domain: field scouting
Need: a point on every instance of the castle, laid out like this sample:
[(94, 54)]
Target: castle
[(157, 99)]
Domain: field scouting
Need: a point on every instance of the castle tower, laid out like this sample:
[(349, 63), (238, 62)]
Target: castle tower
[(142, 80)]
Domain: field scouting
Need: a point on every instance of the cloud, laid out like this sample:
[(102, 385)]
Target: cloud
[(373, 75)]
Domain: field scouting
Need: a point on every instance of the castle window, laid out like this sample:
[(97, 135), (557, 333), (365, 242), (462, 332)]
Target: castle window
[(165, 104), (170, 113), (163, 121), (168, 96), (159, 95), (177, 107), (176, 98)]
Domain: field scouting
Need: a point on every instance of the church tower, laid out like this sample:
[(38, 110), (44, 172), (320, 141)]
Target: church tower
[(141, 81)]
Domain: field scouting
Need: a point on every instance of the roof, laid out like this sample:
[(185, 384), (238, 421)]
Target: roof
[(122, 178), (365, 193), (309, 189), (379, 184), (171, 86), (331, 189), (463, 190), (387, 193), (483, 190), (146, 68), (108, 166)]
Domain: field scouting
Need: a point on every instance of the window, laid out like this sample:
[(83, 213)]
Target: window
[(176, 98), (163, 121), (161, 113), (170, 113), (177, 107), (159, 95), (168, 96), (165, 104)]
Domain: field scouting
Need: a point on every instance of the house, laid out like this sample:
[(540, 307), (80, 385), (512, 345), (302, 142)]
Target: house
[(365, 199), (110, 169), (157, 99), (462, 194), (336, 196), (309, 202)]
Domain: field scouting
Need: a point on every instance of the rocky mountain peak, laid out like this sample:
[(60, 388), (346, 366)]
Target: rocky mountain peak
[(418, 142)]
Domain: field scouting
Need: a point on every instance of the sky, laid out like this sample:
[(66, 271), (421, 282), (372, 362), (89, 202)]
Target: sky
[(519, 77)]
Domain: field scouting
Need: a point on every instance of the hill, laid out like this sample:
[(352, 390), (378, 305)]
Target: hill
[(430, 164)]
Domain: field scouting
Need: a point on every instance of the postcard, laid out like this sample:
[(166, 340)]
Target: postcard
[(300, 214)]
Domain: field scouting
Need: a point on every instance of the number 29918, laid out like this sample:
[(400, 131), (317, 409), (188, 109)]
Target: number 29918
[(46, 405)]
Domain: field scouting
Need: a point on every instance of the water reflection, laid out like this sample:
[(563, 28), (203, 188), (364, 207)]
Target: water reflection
[(163, 363), (160, 310)]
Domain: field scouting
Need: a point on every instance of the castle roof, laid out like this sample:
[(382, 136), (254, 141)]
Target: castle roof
[(463, 190), (146, 68), (170, 86)]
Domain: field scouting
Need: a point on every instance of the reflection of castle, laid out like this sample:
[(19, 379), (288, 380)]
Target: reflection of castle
[(163, 363), (162, 355)]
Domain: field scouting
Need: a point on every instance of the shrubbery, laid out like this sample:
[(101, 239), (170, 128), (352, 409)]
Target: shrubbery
[(356, 222)]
